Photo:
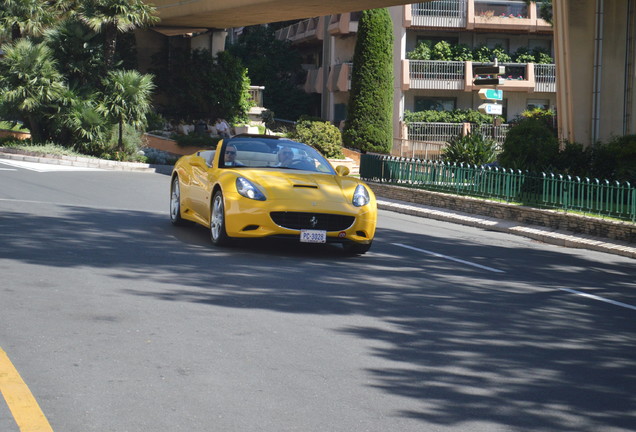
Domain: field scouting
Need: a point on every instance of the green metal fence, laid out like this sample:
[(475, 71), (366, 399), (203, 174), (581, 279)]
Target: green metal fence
[(591, 196)]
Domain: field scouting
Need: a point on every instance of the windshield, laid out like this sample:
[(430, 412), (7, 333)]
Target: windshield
[(256, 152)]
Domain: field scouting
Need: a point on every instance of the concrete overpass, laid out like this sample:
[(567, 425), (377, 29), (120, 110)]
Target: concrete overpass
[(594, 40)]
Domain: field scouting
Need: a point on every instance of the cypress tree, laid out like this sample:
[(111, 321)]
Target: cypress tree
[(369, 124)]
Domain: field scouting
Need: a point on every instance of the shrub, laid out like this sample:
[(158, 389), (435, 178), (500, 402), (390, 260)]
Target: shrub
[(195, 140), (455, 116), (474, 149), (421, 52), (369, 125), (323, 136), (574, 160), (530, 145), (615, 160)]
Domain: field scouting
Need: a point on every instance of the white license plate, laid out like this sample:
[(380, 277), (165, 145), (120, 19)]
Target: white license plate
[(313, 236)]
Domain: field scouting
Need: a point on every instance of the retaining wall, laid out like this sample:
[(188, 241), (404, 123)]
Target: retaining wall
[(558, 220)]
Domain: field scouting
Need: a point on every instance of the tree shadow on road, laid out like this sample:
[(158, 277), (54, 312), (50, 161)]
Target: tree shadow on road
[(467, 345)]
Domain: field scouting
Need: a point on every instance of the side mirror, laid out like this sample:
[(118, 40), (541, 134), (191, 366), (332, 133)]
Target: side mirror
[(342, 170)]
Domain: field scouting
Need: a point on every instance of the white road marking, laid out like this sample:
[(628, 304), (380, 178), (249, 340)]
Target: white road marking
[(44, 167), (595, 297), (571, 291), (449, 258)]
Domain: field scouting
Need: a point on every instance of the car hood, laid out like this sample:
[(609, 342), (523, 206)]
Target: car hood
[(287, 184)]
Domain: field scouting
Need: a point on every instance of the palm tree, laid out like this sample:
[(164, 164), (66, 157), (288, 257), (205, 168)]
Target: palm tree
[(126, 98), (30, 82), (32, 17), (111, 17)]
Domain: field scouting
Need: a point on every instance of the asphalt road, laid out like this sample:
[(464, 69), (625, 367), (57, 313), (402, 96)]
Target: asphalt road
[(117, 321)]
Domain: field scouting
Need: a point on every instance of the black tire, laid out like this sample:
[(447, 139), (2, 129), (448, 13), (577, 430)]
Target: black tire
[(217, 221), (175, 202), (353, 249)]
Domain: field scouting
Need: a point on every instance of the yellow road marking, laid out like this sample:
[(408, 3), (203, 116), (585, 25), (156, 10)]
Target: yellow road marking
[(25, 409)]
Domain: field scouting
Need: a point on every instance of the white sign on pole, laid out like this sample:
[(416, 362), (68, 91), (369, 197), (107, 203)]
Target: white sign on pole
[(493, 109)]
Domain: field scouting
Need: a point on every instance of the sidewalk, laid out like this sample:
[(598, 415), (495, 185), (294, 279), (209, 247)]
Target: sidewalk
[(542, 234)]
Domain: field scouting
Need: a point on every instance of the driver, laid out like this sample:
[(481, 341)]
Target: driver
[(230, 156), (285, 157)]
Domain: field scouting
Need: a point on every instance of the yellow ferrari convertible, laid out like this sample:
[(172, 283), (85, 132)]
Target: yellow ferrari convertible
[(256, 186)]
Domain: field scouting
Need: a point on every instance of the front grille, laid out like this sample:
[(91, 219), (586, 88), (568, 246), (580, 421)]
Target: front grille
[(319, 221)]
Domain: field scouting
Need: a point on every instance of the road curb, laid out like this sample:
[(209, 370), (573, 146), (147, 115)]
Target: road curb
[(542, 234), (84, 162)]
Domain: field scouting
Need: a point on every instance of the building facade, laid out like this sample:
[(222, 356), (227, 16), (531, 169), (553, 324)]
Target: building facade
[(511, 26)]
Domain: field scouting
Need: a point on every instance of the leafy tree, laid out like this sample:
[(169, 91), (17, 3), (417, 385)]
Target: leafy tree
[(369, 121), (126, 98), (111, 17), (276, 65), (30, 83), (199, 85)]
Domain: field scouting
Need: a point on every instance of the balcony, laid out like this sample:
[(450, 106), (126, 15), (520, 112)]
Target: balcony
[(497, 15), (307, 30), (545, 78), (340, 77), (314, 81), (344, 24), (439, 14), (434, 75), (456, 75)]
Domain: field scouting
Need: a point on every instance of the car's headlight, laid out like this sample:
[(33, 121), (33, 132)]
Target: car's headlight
[(361, 196), (248, 189)]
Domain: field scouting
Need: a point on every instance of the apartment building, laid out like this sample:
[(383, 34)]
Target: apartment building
[(328, 45)]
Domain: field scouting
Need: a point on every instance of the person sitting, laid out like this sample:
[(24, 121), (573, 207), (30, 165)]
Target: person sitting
[(230, 157), (285, 157), (222, 128)]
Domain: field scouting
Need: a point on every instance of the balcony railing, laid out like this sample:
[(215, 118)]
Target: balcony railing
[(483, 14), (439, 14), (545, 78), (435, 74), (457, 75), (256, 95)]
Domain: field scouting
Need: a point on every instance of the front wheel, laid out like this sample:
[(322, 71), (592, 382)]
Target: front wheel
[(217, 221), (356, 248), (175, 202)]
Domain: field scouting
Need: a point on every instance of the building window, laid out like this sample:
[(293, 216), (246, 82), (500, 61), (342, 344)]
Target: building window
[(423, 103), (493, 43), (432, 40), (538, 103)]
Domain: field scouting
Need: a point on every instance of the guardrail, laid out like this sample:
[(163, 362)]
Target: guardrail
[(588, 196)]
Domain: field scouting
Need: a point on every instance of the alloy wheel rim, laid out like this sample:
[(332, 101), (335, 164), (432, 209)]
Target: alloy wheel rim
[(174, 201), (217, 217)]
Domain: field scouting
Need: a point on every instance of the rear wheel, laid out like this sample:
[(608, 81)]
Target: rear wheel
[(356, 248), (175, 202), (217, 221)]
